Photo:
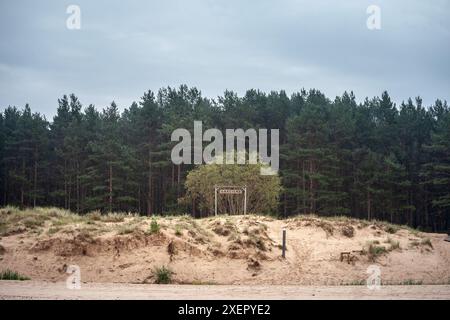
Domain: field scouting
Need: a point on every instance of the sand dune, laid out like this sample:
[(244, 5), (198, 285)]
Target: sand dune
[(231, 250)]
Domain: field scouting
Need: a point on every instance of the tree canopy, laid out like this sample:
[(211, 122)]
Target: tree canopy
[(262, 190), (375, 159)]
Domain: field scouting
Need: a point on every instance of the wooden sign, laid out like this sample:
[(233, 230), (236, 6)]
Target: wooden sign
[(230, 191)]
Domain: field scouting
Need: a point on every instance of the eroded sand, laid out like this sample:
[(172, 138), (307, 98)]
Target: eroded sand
[(238, 250)]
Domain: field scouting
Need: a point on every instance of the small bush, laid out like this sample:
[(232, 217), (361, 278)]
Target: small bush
[(256, 242), (12, 275), (375, 251), (178, 232), (391, 229), (394, 244), (154, 227), (327, 227), (163, 275), (348, 231), (224, 229)]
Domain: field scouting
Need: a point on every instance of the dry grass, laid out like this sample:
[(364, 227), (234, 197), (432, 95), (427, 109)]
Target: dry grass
[(394, 245), (427, 242)]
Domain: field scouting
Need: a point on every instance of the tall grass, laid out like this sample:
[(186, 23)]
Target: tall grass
[(12, 275), (163, 275)]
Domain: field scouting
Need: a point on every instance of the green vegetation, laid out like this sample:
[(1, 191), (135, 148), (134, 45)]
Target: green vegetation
[(374, 251), (163, 275), (263, 191), (394, 245), (355, 283), (337, 157), (178, 232), (391, 229), (411, 282), (154, 227), (110, 217), (12, 275)]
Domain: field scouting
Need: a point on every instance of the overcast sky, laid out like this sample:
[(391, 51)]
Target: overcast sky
[(127, 47)]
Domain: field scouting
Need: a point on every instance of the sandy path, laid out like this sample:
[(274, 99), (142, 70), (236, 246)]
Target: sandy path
[(48, 290)]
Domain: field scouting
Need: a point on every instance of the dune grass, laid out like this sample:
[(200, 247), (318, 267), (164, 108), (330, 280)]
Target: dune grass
[(12, 275)]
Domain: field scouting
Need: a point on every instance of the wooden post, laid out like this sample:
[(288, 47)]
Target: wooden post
[(283, 254), (215, 201), (245, 200)]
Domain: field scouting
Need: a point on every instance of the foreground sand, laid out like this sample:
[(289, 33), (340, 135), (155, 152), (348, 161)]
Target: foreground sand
[(46, 290), (237, 250)]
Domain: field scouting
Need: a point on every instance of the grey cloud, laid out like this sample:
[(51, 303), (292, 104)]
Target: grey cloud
[(125, 48)]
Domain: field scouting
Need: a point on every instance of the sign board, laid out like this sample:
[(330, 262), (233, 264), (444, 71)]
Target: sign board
[(230, 191)]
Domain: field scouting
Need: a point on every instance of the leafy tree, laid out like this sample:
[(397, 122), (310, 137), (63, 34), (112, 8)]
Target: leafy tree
[(262, 191)]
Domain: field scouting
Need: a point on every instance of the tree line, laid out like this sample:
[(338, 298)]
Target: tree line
[(374, 160)]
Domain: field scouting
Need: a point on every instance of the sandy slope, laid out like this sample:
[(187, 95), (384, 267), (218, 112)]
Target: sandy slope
[(226, 250)]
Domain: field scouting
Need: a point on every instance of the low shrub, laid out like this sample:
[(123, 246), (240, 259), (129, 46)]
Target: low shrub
[(163, 275), (12, 275)]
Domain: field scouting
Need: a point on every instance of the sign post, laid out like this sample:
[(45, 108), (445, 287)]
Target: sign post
[(283, 254), (230, 190)]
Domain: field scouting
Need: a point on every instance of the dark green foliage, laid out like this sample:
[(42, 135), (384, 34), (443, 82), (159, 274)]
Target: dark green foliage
[(373, 160), (163, 275), (12, 275)]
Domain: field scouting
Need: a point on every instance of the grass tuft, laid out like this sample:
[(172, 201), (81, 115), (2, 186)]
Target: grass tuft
[(12, 275), (163, 275), (393, 243), (427, 242), (154, 227), (374, 251)]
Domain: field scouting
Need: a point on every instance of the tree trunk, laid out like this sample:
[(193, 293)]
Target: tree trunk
[(78, 187), (22, 188), (179, 180), (70, 193), (110, 187), (311, 188), (35, 184), (65, 184), (150, 189), (139, 198), (173, 175), (304, 187), (5, 184), (298, 188)]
